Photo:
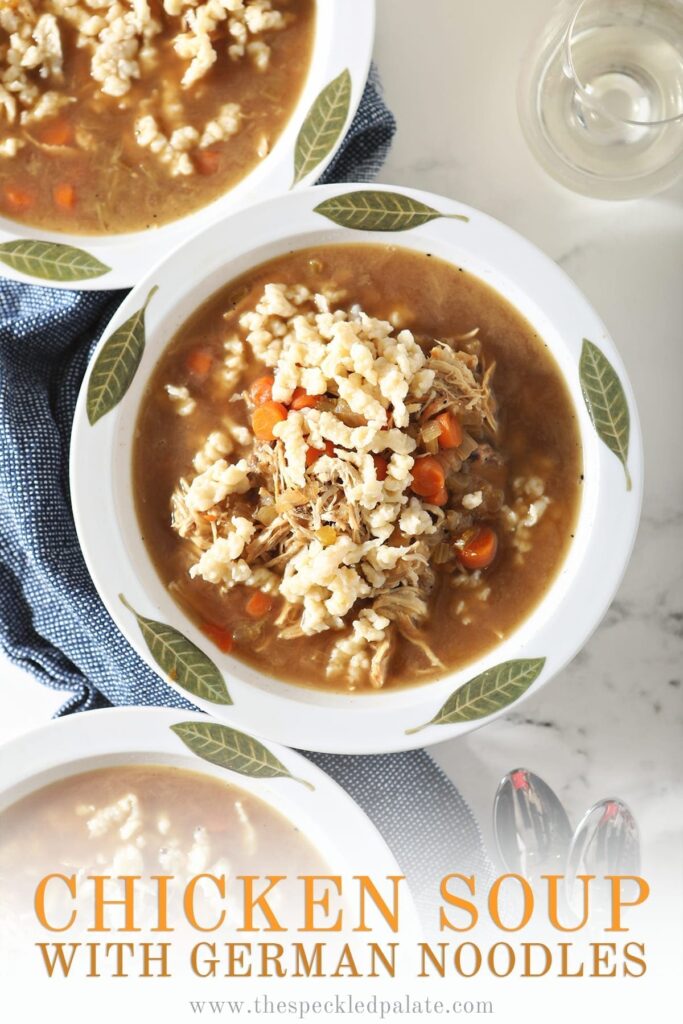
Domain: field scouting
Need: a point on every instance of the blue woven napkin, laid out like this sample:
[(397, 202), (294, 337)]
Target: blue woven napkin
[(53, 624)]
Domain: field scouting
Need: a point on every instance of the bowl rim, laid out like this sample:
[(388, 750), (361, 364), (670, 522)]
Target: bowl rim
[(574, 603), (108, 737), (344, 39)]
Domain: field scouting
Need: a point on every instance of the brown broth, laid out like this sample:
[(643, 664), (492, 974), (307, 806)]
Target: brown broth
[(120, 186), (538, 435)]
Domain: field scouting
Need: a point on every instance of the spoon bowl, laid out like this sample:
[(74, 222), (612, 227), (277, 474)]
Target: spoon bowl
[(531, 826), (606, 842)]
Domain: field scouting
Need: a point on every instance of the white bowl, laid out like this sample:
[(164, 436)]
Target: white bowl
[(341, 833), (573, 605), (344, 38)]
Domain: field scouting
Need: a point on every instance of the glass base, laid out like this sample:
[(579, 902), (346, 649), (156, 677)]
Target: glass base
[(582, 136)]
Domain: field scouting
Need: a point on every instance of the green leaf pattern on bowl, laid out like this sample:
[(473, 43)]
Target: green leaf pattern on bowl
[(228, 748), (51, 261), (116, 365), (496, 688), (181, 660), (374, 210), (606, 402), (322, 126)]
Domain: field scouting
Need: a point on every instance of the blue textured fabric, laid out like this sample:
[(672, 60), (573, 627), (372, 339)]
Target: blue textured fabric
[(53, 624)]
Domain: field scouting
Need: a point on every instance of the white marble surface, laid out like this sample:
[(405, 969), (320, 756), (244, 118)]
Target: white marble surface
[(611, 723)]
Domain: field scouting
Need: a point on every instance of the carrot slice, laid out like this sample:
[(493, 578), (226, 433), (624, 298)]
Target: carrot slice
[(199, 361), (18, 198), (302, 400), (64, 196), (265, 417), (480, 548), (59, 133), (439, 497), (313, 454), (451, 431), (258, 605), (262, 390), (222, 638), (207, 161), (428, 476), (381, 467)]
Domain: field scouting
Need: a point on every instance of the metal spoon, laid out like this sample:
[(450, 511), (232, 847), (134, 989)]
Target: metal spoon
[(606, 842), (531, 826)]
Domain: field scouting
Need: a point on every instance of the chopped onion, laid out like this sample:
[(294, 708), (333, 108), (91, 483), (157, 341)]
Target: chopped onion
[(430, 431), (345, 413), (466, 446), (266, 514), (289, 499), (442, 553), (465, 337)]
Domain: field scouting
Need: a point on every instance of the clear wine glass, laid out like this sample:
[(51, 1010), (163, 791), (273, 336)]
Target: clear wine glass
[(600, 96)]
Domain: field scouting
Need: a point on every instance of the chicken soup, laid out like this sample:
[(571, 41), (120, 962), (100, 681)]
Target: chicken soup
[(144, 821), (357, 467), (117, 117)]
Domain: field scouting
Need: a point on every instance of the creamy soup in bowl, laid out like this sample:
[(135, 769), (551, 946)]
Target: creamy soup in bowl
[(357, 467), (362, 465), (145, 820)]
